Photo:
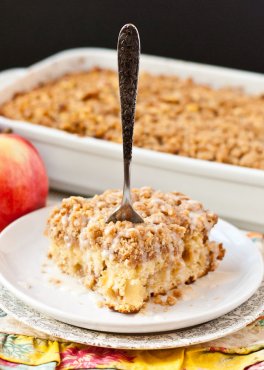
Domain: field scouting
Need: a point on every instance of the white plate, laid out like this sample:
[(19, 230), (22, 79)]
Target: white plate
[(235, 193), (23, 250)]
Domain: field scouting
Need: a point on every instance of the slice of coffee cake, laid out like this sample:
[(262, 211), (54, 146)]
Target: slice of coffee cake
[(127, 263)]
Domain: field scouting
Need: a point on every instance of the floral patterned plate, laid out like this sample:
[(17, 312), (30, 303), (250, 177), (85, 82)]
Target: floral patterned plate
[(220, 327)]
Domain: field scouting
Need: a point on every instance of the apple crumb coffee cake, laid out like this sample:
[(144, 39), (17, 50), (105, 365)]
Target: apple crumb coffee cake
[(173, 115), (128, 263)]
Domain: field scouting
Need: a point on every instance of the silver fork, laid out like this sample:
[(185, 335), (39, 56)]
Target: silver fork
[(128, 49)]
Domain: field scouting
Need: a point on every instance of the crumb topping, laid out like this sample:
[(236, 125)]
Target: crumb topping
[(168, 217)]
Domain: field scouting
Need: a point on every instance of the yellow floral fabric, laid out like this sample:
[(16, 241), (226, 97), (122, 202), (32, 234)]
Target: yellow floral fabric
[(23, 352)]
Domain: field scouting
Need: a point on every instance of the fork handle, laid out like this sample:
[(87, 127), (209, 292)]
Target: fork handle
[(128, 48)]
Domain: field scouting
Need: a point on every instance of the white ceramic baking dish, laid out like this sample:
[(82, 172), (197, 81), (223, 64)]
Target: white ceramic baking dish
[(88, 165)]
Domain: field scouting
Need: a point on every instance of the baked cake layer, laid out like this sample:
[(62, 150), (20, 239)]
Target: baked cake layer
[(173, 115), (128, 263)]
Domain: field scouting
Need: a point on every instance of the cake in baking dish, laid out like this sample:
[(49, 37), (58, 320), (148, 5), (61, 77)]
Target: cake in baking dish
[(128, 263), (173, 115)]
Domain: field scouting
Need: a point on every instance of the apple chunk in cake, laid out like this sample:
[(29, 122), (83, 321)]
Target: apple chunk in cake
[(128, 263)]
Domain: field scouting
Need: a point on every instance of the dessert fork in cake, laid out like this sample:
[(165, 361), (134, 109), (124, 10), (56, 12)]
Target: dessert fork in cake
[(132, 252)]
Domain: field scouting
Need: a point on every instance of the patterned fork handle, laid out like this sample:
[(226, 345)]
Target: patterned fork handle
[(128, 63)]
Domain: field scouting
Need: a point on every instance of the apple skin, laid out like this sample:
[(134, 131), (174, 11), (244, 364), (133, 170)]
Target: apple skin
[(23, 179)]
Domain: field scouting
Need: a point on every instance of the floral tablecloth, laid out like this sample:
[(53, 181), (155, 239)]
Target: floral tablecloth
[(23, 348)]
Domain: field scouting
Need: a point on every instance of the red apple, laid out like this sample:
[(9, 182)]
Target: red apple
[(23, 178)]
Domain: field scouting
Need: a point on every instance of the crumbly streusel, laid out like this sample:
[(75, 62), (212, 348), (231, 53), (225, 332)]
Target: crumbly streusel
[(118, 259), (164, 214), (173, 115)]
